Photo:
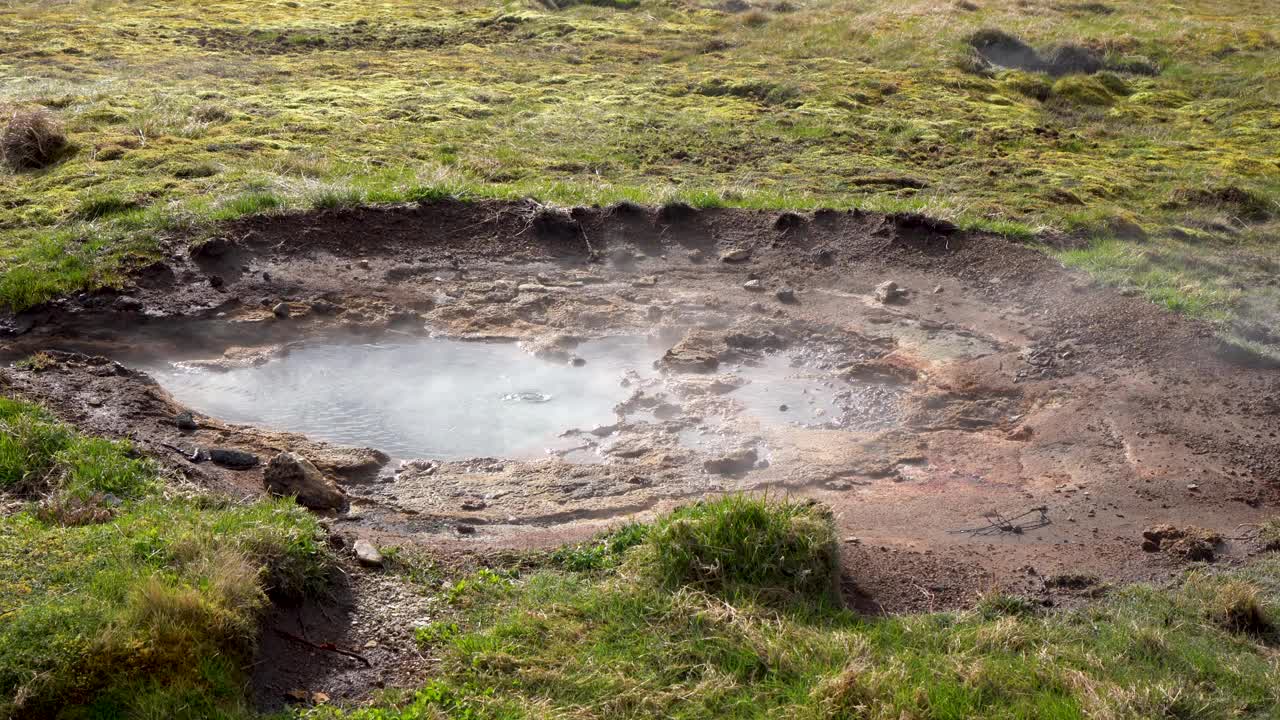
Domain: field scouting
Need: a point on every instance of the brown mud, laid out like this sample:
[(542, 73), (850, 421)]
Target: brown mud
[(998, 382)]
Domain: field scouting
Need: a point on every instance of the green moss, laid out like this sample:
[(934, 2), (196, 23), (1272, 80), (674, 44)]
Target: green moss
[(1100, 89)]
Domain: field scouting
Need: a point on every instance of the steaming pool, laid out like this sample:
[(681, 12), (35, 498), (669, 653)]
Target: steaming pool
[(452, 399)]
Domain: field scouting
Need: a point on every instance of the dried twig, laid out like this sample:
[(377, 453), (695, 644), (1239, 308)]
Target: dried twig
[(327, 647)]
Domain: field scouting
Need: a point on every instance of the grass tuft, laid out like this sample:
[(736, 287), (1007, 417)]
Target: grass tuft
[(746, 544), (33, 138)]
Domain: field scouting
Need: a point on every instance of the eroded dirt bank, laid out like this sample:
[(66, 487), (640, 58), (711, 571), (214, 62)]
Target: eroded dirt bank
[(997, 382)]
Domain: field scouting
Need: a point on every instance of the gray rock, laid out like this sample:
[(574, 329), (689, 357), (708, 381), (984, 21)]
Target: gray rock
[(366, 554), (290, 474), (186, 421), (786, 295), (735, 255), (233, 459), (753, 286), (280, 310)]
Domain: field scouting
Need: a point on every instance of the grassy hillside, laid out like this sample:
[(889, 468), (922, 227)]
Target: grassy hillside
[(181, 112)]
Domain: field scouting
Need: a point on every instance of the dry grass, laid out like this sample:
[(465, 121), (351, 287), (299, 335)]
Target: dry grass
[(33, 138)]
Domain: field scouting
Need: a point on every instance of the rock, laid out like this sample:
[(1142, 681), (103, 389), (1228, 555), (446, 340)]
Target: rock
[(473, 505), (753, 286), (698, 351), (1150, 546), (324, 307), (733, 463), (888, 291), (824, 257), (212, 248), (126, 303), (937, 289), (186, 421), (366, 554), (1022, 432), (577, 361), (290, 474), (733, 255), (465, 529), (280, 310), (786, 295), (233, 459), (216, 281), (364, 264)]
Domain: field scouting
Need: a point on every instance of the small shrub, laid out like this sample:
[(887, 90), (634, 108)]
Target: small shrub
[(745, 543), (33, 139)]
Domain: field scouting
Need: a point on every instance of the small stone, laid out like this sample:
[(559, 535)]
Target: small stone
[(937, 289), (367, 554), (266, 276), (371, 644), (577, 361), (735, 255), (364, 264), (888, 291), (324, 307), (733, 463), (216, 281), (1193, 487), (786, 295), (465, 529), (824, 257), (280, 310), (186, 421), (753, 285), (1022, 432), (472, 505), (783, 407)]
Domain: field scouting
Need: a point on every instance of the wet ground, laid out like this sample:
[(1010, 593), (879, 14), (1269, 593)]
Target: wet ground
[(487, 377)]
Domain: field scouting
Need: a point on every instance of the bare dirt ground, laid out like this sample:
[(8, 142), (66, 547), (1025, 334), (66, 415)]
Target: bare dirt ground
[(997, 383)]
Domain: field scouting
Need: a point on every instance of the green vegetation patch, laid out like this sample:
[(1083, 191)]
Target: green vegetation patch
[(617, 640), (117, 602)]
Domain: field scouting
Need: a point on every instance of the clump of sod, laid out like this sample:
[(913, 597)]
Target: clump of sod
[(747, 544), (32, 139)]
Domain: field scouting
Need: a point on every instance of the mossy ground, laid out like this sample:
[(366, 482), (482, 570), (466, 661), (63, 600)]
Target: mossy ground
[(183, 112)]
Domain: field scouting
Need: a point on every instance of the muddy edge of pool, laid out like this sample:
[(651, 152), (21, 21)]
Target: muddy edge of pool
[(1025, 386)]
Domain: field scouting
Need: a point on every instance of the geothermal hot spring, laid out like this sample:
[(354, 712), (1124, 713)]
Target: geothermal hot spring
[(450, 399)]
